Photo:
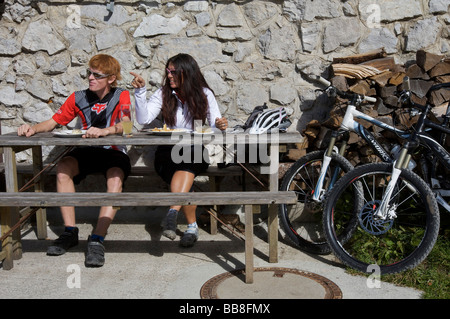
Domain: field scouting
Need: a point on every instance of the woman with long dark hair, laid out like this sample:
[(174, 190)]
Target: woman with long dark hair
[(183, 99)]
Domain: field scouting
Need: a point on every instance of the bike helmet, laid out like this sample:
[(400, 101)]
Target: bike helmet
[(270, 120)]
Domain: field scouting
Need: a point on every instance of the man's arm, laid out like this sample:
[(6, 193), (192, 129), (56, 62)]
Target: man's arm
[(46, 126)]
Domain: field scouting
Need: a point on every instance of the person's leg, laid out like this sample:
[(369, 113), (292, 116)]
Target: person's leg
[(95, 256), (67, 168), (182, 181), (114, 184)]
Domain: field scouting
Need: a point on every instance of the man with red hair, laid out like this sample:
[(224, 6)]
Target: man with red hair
[(98, 109)]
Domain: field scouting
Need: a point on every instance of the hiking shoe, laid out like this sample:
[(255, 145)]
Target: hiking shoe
[(95, 255), (169, 224), (189, 238), (66, 240)]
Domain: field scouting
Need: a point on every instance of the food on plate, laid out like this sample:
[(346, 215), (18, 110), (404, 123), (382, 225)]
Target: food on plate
[(203, 129), (77, 131), (166, 129)]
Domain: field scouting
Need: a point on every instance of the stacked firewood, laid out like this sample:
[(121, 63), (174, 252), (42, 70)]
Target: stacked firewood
[(375, 74)]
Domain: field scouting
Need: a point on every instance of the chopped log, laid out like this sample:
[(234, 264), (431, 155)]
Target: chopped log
[(427, 60), (382, 79), (443, 79), (353, 71), (363, 87), (440, 96), (294, 154), (383, 64), (442, 68), (420, 87), (387, 91), (416, 72), (397, 78), (363, 57), (340, 83), (440, 111)]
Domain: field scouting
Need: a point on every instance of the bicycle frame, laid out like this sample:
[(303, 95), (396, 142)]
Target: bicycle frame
[(405, 156), (349, 124)]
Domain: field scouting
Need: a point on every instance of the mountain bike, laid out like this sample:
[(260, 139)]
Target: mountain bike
[(314, 174), (393, 223)]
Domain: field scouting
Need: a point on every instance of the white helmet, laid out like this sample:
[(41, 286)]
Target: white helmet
[(270, 120)]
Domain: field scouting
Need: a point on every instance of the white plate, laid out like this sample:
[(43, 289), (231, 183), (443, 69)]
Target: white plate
[(69, 133), (177, 131), (204, 133)]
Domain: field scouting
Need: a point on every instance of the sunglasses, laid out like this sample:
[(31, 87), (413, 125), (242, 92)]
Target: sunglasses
[(96, 75), (172, 72)]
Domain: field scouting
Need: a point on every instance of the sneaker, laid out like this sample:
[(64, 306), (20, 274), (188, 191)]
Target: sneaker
[(189, 238), (95, 255), (169, 224), (68, 239)]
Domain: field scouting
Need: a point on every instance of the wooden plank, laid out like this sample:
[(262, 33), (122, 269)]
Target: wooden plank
[(7, 249), (11, 186), (41, 214), (142, 139), (83, 199), (249, 244), (362, 57)]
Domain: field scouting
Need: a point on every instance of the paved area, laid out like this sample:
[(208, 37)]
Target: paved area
[(142, 264)]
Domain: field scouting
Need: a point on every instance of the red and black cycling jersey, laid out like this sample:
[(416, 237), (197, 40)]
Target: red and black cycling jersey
[(92, 111)]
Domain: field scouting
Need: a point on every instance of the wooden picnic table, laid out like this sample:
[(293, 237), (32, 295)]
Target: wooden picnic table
[(9, 201)]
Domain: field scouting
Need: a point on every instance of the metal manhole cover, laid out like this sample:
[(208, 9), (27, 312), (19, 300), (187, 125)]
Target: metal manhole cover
[(270, 283)]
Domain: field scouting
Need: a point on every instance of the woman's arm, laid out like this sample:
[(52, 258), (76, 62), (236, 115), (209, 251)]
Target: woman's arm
[(146, 111)]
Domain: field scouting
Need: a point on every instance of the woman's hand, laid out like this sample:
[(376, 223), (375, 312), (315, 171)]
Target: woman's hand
[(221, 123), (138, 81)]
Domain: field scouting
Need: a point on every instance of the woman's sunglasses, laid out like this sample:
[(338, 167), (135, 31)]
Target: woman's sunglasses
[(96, 75), (172, 72)]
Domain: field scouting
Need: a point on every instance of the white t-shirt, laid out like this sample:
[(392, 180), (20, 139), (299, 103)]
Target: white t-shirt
[(147, 111)]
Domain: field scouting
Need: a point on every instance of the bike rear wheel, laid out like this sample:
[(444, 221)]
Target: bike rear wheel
[(302, 222), (394, 244)]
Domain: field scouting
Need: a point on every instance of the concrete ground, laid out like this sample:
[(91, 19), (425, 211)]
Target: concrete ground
[(142, 264)]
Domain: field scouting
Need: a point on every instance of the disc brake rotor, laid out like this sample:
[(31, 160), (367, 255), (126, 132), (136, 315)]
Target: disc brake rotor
[(372, 224)]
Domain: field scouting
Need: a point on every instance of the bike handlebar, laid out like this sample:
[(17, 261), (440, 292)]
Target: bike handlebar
[(346, 95)]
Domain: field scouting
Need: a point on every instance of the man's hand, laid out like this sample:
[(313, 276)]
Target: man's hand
[(25, 130), (95, 132)]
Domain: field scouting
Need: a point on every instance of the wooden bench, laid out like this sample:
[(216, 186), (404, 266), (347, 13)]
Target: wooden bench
[(215, 174), (249, 199)]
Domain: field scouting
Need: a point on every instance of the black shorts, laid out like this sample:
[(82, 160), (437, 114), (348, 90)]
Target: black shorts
[(195, 161), (93, 160)]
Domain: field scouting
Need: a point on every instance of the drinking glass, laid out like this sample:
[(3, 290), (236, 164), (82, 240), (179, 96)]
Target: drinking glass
[(126, 119)]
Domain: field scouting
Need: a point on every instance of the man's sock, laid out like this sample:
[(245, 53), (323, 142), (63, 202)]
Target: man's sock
[(98, 238)]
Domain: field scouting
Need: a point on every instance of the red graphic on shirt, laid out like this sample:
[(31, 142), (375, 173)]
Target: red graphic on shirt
[(98, 108)]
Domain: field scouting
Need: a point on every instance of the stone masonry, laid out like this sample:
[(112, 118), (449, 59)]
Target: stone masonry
[(251, 52)]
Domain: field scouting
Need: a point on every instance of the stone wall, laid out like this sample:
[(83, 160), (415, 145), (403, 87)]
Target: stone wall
[(251, 52)]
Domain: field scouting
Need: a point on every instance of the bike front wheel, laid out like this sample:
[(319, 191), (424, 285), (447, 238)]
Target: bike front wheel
[(302, 222), (399, 242)]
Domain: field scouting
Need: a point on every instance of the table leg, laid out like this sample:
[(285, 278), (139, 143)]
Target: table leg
[(11, 186), (41, 214), (249, 244), (6, 253), (213, 187), (273, 209)]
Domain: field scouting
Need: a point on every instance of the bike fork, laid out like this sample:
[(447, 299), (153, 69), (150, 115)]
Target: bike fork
[(318, 190), (385, 210)]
